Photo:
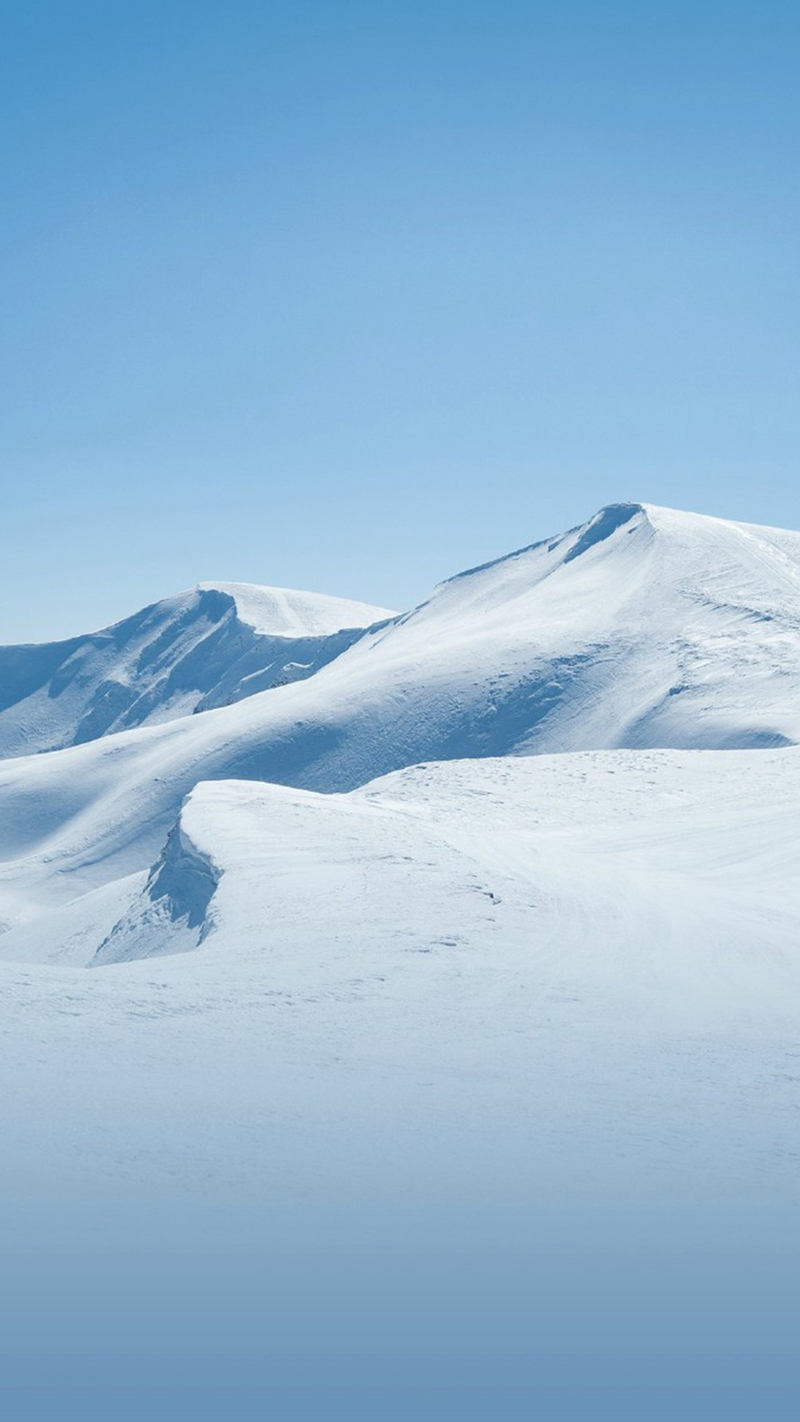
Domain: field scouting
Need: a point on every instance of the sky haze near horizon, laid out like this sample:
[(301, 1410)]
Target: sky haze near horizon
[(352, 296)]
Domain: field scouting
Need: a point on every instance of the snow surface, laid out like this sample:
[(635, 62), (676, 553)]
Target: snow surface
[(497, 908), (645, 627), (565, 950), (288, 612), (600, 901), (210, 646)]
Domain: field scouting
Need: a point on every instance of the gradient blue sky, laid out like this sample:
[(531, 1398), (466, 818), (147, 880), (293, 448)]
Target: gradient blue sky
[(350, 296)]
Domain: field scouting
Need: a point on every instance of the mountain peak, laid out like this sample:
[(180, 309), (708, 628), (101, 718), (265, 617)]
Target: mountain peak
[(206, 647), (607, 521), (290, 612)]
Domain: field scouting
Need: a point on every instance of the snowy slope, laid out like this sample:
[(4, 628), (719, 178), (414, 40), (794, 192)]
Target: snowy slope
[(207, 647), (535, 1007), (645, 627), (657, 850), (568, 972)]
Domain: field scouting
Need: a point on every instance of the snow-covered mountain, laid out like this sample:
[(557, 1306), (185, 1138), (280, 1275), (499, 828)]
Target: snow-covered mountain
[(210, 646), (472, 971), (643, 628)]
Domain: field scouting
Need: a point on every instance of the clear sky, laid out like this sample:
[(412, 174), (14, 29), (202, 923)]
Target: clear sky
[(349, 296)]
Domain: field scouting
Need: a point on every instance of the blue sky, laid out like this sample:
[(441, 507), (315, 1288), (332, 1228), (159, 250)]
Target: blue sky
[(350, 296)]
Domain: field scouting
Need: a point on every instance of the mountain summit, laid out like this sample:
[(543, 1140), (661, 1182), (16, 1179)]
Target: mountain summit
[(210, 646), (643, 627)]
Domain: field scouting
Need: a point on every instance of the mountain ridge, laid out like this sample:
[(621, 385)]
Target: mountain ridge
[(670, 631), (207, 646)]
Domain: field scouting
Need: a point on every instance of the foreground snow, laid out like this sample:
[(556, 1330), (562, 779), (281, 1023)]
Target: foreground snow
[(494, 1057), (562, 951)]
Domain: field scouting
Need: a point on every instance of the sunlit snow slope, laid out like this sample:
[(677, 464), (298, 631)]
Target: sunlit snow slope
[(645, 627), (469, 958), (561, 973), (207, 647), (659, 854)]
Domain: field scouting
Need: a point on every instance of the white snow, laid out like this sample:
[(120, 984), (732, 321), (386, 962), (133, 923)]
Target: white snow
[(287, 612), (588, 958), (644, 628), (206, 647), (572, 972)]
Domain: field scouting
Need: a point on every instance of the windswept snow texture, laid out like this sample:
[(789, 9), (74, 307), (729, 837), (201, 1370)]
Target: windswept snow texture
[(208, 647)]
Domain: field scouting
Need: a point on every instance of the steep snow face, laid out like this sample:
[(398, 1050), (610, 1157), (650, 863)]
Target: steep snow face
[(208, 647)]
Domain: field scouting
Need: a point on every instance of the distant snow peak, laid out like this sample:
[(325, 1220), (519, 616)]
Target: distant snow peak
[(570, 545), (210, 646)]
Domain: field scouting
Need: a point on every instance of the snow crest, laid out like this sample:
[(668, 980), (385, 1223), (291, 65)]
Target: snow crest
[(171, 914)]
